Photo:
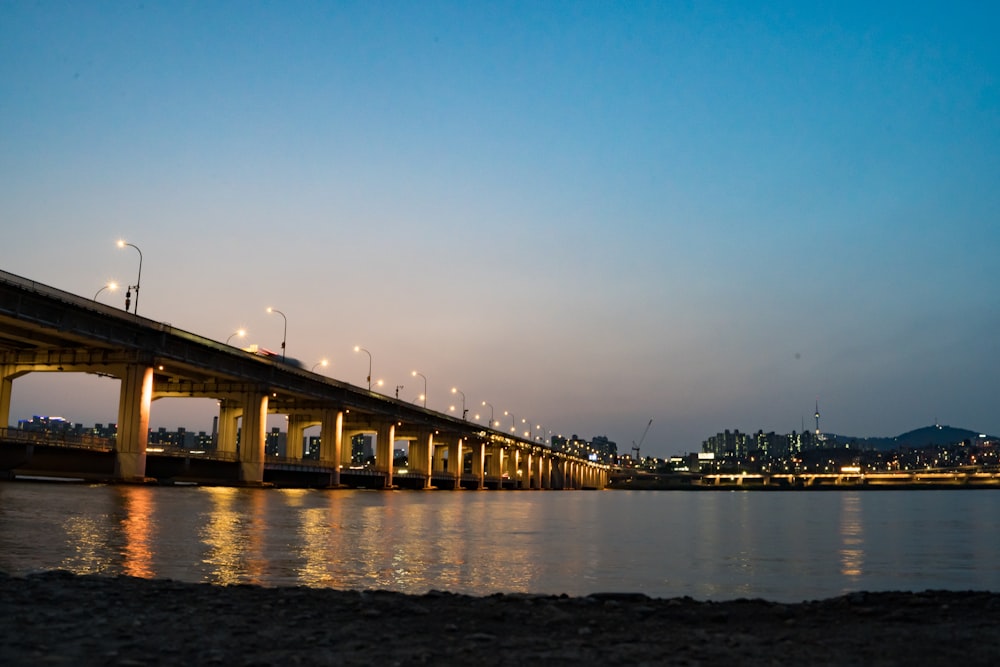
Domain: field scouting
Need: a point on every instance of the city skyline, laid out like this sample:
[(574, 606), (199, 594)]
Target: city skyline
[(585, 215)]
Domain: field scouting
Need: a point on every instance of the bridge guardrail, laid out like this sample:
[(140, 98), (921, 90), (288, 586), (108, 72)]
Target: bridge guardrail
[(82, 441), (171, 450)]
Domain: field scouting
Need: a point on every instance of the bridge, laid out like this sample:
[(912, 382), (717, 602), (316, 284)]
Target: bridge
[(44, 329)]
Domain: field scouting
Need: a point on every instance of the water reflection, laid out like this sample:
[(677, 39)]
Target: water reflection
[(852, 553), (711, 545), (89, 539), (137, 523), (232, 537)]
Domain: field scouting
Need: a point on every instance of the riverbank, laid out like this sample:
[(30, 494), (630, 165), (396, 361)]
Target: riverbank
[(57, 618)]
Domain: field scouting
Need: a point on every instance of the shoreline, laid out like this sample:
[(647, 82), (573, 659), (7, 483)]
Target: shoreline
[(56, 617)]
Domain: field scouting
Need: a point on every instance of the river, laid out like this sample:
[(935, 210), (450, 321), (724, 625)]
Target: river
[(711, 545)]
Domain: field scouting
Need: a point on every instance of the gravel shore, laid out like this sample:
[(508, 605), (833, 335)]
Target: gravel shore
[(57, 618)]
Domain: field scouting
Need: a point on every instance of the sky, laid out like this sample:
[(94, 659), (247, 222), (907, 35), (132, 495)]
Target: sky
[(588, 214)]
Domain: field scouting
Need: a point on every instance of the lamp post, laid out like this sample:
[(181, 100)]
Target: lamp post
[(322, 362), (424, 396), (507, 414), (491, 413), (239, 332), (138, 278), (358, 348), (284, 334), (455, 390), (110, 286)]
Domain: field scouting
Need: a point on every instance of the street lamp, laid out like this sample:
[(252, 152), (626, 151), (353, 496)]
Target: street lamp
[(239, 332), (138, 278), (455, 390), (284, 334), (110, 286), (358, 348), (491, 413), (424, 396), (512, 428), (322, 362)]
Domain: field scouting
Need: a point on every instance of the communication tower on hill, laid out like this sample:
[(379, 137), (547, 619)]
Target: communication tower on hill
[(817, 416)]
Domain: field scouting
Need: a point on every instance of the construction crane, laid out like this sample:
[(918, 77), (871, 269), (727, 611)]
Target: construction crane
[(635, 447)]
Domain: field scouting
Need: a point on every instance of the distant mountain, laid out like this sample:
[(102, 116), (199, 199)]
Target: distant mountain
[(922, 437)]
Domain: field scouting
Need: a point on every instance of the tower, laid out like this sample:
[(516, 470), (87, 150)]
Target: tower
[(817, 416)]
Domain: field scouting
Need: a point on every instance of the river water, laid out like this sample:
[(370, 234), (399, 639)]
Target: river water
[(710, 545)]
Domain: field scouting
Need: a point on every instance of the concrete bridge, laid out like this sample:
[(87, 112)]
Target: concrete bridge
[(43, 329)]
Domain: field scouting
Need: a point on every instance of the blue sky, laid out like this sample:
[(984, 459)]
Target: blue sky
[(588, 214)]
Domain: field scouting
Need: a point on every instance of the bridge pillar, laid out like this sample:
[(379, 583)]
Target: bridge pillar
[(230, 412), (479, 464), (494, 462), (421, 449), (134, 399), (546, 472), (536, 478), (437, 457), (525, 470), (253, 436), (331, 442), (455, 461), (513, 465), (293, 438), (7, 375), (559, 473), (385, 440)]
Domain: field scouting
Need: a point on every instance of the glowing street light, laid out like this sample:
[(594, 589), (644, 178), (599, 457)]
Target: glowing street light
[(138, 278), (284, 335), (455, 390), (322, 362), (512, 427), (424, 395), (491, 413), (358, 348), (112, 286), (239, 332)]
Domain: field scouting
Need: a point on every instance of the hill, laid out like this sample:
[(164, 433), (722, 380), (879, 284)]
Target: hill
[(928, 436)]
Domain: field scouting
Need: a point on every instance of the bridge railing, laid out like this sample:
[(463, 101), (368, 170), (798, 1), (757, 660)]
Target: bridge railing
[(79, 441), (173, 450)]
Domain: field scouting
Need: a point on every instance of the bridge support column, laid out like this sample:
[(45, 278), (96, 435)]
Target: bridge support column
[(437, 457), (494, 468), (455, 460), (7, 375), (385, 440), (513, 465), (229, 416), (479, 464), (133, 422), (421, 450), (253, 435), (536, 477), (546, 472), (331, 442), (525, 470), (294, 449), (559, 474)]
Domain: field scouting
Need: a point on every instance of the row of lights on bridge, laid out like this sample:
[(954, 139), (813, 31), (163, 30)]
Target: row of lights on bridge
[(112, 286)]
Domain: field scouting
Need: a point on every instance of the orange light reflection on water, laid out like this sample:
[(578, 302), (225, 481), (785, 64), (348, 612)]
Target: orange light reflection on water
[(852, 553), (233, 537), (139, 505)]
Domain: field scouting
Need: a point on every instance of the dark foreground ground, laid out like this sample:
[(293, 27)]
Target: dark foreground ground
[(61, 619)]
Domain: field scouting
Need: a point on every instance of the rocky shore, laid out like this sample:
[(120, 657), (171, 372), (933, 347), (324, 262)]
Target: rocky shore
[(57, 618)]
